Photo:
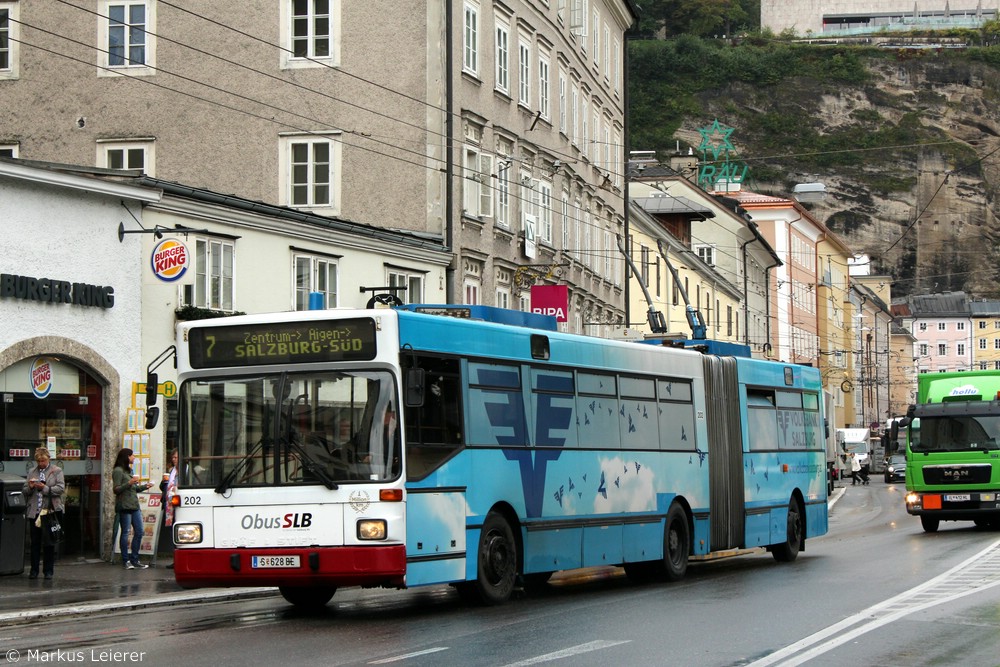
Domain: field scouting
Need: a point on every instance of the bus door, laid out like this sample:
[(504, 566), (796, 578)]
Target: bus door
[(436, 508), (725, 453)]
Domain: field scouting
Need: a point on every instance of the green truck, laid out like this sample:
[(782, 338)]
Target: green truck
[(953, 449)]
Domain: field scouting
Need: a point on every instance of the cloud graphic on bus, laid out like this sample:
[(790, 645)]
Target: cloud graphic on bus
[(631, 491)]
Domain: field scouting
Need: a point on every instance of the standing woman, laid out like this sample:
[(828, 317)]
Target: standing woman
[(44, 490), (126, 487)]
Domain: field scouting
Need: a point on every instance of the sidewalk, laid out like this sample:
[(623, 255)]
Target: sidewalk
[(84, 586)]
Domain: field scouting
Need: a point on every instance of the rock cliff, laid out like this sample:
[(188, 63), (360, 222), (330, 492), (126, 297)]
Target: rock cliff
[(910, 159)]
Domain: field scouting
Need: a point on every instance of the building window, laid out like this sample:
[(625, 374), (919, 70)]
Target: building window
[(315, 274), (544, 190), (922, 326), (9, 39), (706, 253), (503, 193), (213, 287), (644, 265), (960, 326), (524, 73), (562, 102), (960, 349), (478, 193), (503, 297), (923, 349), (942, 326), (133, 155), (996, 343), (982, 324), (565, 221), (617, 68), (982, 344), (996, 365), (470, 52), (471, 292), (311, 172), (413, 282), (942, 349), (8, 150), (543, 87), (310, 33), (127, 33), (311, 29), (502, 70)]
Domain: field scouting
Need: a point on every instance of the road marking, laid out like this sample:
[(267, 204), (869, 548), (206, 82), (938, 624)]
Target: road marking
[(569, 652), (397, 658), (978, 573)]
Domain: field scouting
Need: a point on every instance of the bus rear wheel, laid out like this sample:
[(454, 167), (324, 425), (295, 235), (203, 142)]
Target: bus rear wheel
[(496, 570), (676, 544), (307, 598), (788, 550), (930, 523)]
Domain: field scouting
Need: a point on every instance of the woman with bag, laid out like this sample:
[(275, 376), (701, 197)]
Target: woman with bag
[(44, 490), (126, 487)]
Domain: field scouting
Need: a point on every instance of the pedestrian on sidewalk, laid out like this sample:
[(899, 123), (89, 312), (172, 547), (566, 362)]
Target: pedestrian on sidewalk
[(855, 469), (127, 487), (44, 490), (168, 489)]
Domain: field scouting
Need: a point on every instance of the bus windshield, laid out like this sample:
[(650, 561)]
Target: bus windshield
[(289, 429), (954, 433)]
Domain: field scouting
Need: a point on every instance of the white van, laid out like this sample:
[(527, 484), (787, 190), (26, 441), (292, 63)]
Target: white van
[(855, 441)]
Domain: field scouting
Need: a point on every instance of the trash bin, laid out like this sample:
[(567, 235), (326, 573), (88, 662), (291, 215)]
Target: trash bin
[(13, 505)]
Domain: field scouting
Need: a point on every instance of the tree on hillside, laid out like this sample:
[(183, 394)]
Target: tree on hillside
[(704, 18)]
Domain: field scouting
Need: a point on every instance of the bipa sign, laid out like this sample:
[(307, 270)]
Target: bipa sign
[(550, 300)]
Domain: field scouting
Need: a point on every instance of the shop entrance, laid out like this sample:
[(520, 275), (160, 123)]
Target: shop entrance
[(68, 421)]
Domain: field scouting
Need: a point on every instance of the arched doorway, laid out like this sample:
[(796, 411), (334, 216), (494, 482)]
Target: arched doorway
[(72, 418)]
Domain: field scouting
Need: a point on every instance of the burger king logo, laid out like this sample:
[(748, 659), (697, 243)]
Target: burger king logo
[(169, 260), (41, 377)]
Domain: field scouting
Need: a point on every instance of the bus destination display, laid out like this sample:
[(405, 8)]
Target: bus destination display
[(282, 343)]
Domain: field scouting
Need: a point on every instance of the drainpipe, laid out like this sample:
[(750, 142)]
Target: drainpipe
[(449, 167)]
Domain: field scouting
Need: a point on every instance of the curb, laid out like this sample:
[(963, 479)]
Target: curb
[(125, 604)]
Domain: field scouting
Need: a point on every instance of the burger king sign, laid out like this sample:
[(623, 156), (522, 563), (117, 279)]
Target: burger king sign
[(170, 260)]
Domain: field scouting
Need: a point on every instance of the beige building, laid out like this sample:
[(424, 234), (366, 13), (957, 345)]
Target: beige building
[(833, 310), (826, 18), (495, 128)]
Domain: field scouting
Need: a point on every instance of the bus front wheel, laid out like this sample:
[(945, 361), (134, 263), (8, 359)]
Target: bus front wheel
[(497, 561), (307, 598), (676, 544), (788, 550), (930, 523)]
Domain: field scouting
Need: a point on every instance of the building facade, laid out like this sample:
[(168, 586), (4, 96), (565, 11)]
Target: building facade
[(499, 133), (88, 289), (825, 18)]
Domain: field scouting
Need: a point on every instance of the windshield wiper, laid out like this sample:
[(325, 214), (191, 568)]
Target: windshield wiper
[(313, 466), (230, 477)]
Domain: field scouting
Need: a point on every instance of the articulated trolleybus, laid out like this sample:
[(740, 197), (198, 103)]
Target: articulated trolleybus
[(518, 452)]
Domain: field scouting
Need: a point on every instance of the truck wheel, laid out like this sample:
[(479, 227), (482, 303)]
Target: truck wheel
[(930, 523)]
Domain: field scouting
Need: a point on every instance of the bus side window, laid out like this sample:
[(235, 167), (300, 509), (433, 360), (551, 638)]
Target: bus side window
[(434, 431)]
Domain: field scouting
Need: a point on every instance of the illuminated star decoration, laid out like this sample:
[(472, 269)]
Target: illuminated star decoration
[(715, 140)]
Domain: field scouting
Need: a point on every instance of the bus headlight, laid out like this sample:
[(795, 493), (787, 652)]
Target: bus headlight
[(187, 533), (371, 529), (912, 499)]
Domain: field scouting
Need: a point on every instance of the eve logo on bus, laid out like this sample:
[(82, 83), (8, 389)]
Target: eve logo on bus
[(506, 413)]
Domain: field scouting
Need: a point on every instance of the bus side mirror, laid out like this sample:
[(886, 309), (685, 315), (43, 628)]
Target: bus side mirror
[(414, 395), (152, 383), (894, 432), (152, 417)]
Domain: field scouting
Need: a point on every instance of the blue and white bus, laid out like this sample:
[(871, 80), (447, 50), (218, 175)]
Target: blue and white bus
[(517, 452)]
